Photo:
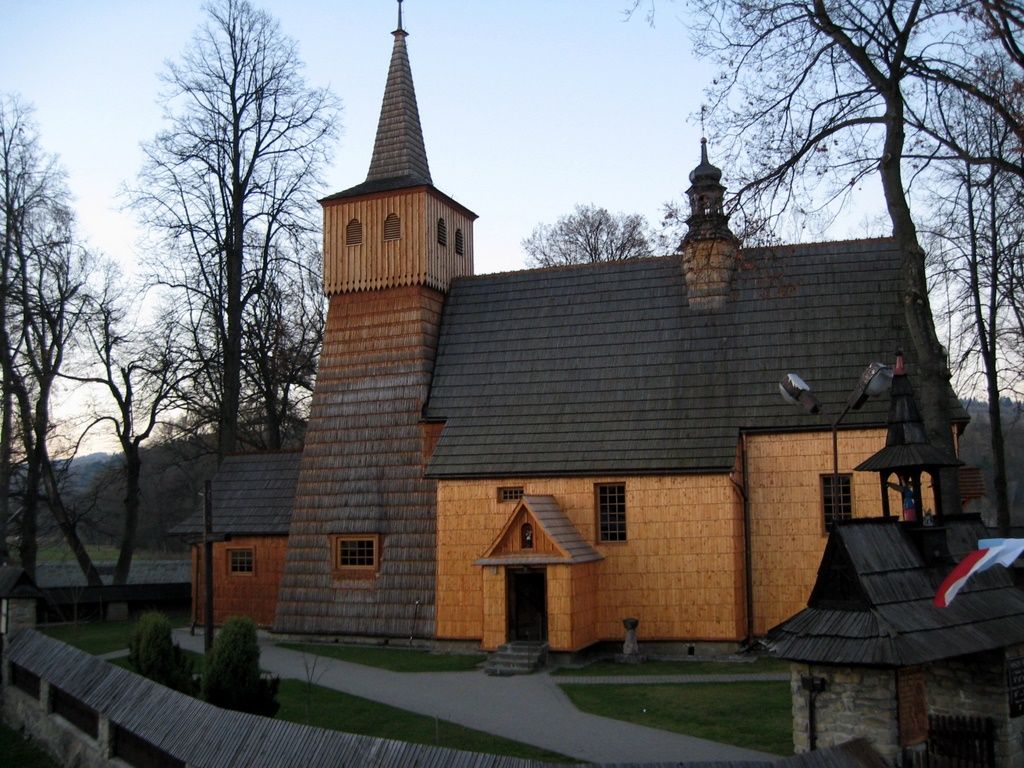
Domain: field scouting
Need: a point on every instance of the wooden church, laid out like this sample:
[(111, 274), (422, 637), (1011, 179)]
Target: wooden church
[(541, 454)]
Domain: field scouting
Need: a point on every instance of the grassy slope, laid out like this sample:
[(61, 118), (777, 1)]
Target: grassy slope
[(16, 751), (655, 667), (394, 659), (752, 715)]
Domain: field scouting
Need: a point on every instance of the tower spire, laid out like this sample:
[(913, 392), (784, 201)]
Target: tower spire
[(399, 154)]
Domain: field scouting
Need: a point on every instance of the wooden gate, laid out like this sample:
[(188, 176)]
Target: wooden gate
[(956, 742)]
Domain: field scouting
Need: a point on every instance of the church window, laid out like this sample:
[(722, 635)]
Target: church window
[(526, 536), (836, 499), (392, 227), (611, 512), (359, 554), (354, 232), (442, 233), (510, 494), (460, 243), (241, 561)]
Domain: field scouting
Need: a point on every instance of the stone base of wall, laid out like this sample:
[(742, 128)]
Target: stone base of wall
[(66, 744), (855, 703)]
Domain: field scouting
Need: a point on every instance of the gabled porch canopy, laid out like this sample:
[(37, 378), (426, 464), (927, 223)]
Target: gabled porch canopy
[(550, 539)]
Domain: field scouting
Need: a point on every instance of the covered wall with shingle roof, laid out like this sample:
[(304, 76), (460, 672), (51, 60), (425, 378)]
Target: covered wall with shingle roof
[(606, 368)]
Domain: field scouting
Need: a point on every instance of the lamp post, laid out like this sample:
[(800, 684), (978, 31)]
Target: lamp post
[(874, 380)]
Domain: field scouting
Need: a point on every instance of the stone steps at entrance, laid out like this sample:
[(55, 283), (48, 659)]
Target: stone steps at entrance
[(517, 658)]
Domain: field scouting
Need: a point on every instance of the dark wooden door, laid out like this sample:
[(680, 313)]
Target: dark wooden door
[(527, 609)]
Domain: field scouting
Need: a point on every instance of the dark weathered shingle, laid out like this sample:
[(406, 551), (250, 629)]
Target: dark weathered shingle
[(898, 625), (399, 154), (605, 368), (253, 493)]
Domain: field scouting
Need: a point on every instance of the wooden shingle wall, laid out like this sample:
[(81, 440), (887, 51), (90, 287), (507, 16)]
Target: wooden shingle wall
[(679, 572), (241, 594), (787, 527), (362, 471), (416, 258)]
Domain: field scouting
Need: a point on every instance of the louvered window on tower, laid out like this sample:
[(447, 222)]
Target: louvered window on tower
[(354, 232), (392, 227), (442, 233), (460, 243)]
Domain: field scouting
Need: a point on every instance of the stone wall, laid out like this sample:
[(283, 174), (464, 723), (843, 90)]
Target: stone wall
[(856, 703), (975, 686), (57, 736)]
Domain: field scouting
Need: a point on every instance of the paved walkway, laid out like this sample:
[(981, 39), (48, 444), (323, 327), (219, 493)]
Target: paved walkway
[(527, 708)]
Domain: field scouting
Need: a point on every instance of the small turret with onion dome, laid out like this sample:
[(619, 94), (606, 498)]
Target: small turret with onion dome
[(709, 249)]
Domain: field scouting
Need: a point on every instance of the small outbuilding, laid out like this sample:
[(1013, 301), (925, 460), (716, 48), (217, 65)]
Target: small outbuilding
[(19, 600), (252, 497), (874, 657)]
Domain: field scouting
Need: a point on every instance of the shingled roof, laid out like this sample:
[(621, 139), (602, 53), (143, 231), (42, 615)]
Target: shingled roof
[(606, 368), (872, 602), (253, 493)]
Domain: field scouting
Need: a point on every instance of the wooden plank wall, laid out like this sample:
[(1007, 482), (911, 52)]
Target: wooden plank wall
[(362, 471), (680, 572), (235, 594), (414, 259), (787, 529)]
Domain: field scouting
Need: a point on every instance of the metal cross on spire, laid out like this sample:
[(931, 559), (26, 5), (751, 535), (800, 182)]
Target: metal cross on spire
[(399, 14)]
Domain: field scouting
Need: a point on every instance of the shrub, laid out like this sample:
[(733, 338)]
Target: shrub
[(232, 678), (153, 654)]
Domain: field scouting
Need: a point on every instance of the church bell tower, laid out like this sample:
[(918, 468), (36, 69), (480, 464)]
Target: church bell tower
[(361, 556)]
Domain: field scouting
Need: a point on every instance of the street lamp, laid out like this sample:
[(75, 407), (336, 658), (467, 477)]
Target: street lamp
[(874, 380)]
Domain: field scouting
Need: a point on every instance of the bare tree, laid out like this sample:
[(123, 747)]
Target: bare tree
[(228, 186), (140, 371), (978, 231), (587, 235), (44, 278), (818, 96)]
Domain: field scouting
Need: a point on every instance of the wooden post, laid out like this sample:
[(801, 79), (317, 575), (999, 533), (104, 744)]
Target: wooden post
[(208, 568)]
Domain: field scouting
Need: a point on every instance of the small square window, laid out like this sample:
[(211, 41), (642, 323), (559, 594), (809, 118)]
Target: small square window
[(509, 494), (356, 553), (611, 512), (241, 561), (836, 499)]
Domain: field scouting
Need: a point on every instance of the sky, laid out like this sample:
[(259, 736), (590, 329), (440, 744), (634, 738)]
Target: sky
[(527, 107)]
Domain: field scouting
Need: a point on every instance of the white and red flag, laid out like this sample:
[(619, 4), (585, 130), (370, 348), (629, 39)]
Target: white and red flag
[(990, 552)]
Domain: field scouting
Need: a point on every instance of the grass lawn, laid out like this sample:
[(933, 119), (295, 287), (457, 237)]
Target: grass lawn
[(59, 552), (752, 715), (326, 708), (681, 667), (100, 636), (394, 659), (14, 750)]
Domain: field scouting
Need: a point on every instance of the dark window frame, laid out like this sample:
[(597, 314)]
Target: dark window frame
[(442, 233), (508, 494), (392, 227), (610, 510), (836, 505), (526, 536)]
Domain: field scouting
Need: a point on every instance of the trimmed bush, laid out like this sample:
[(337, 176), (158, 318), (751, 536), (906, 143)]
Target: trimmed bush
[(232, 677), (153, 654)]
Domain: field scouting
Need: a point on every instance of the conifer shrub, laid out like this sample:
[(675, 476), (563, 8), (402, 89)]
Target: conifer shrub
[(232, 676), (152, 653)]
